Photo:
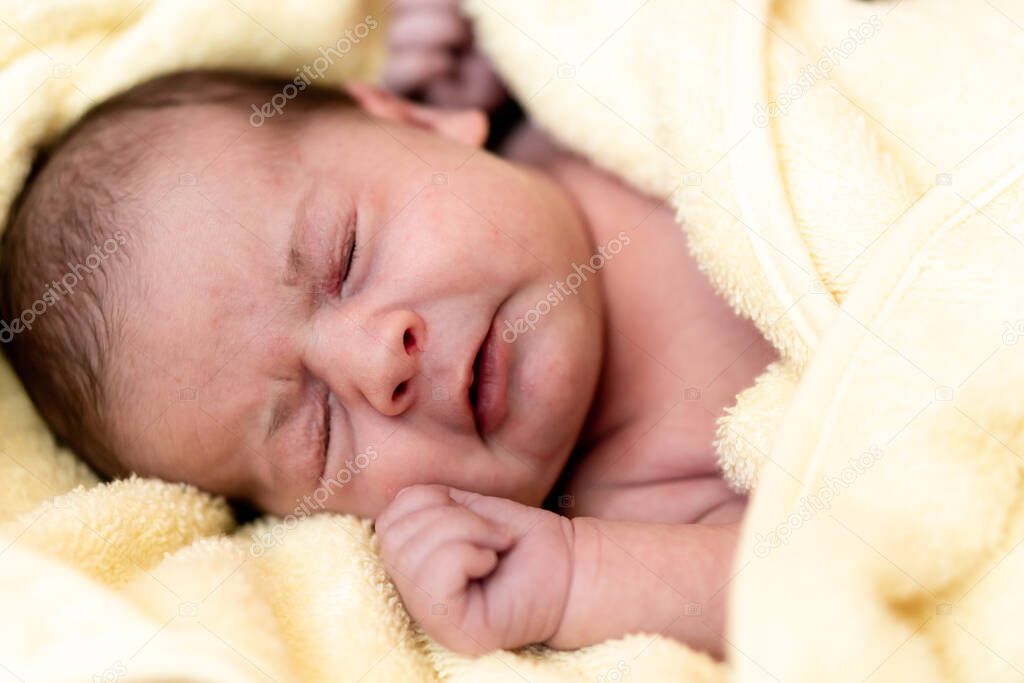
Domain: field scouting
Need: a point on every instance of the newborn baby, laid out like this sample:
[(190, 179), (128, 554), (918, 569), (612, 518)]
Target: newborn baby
[(354, 298)]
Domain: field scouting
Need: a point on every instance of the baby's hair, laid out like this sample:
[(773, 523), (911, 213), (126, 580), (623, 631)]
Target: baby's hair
[(65, 286)]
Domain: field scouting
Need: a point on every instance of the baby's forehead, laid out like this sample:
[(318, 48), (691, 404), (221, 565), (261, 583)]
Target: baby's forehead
[(185, 141)]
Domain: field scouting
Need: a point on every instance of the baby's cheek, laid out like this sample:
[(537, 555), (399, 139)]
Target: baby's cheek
[(367, 483), (280, 348)]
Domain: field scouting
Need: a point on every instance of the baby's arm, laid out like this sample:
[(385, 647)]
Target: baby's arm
[(658, 578), (481, 573)]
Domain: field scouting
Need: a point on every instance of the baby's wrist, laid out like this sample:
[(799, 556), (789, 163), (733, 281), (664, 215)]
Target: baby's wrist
[(580, 535)]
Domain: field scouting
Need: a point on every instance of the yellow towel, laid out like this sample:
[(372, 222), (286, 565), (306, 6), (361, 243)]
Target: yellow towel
[(858, 195), (141, 580), (851, 177)]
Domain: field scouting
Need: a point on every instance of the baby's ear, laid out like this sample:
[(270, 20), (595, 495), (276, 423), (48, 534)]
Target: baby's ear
[(468, 126)]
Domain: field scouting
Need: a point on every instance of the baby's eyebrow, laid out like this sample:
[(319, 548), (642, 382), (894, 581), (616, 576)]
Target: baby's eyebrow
[(296, 260), (294, 266)]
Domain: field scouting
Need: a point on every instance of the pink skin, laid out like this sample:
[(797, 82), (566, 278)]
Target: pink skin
[(431, 53), (449, 239), (482, 573), (649, 544)]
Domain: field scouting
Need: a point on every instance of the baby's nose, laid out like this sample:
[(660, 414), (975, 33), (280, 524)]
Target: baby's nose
[(393, 356)]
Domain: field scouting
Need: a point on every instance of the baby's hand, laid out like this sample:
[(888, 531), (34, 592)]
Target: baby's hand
[(477, 573), (431, 53)]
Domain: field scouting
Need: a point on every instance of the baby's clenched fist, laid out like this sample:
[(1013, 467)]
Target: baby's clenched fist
[(477, 573)]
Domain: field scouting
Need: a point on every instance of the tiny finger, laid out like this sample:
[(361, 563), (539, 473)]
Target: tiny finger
[(427, 28), (447, 572), (410, 500), (455, 525), (411, 69)]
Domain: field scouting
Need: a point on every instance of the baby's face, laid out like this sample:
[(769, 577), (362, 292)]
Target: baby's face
[(266, 360)]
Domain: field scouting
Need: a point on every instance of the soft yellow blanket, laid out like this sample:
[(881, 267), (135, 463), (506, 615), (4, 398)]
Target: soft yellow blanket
[(850, 175)]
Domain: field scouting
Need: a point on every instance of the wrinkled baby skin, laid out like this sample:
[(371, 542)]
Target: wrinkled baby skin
[(352, 310), (439, 545), (315, 304)]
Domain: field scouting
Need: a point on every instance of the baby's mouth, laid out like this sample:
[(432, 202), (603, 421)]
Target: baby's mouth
[(488, 389)]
